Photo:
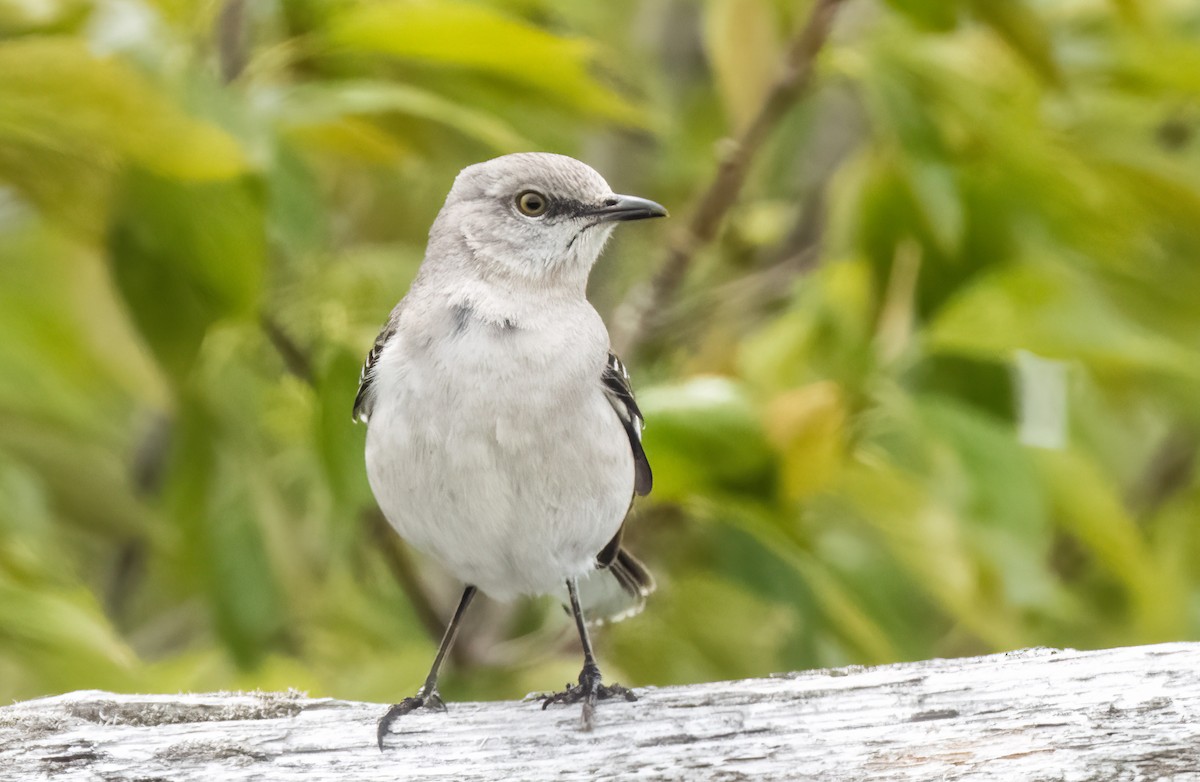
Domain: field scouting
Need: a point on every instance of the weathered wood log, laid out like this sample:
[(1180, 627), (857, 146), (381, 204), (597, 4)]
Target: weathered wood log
[(1038, 714)]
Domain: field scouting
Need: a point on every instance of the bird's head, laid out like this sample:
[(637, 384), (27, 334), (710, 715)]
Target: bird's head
[(537, 216)]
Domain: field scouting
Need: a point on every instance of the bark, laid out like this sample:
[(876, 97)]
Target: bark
[(1038, 714)]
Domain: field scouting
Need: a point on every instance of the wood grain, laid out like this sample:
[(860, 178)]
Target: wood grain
[(1039, 714)]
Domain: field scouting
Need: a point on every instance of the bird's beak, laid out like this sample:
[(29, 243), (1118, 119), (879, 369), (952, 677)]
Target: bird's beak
[(619, 208)]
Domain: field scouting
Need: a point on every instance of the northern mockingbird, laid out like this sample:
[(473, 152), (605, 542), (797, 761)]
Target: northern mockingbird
[(503, 438)]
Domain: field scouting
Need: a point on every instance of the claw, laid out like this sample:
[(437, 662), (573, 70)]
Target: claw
[(433, 701), (588, 691)]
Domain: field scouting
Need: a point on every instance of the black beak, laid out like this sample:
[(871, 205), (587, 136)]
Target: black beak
[(619, 208)]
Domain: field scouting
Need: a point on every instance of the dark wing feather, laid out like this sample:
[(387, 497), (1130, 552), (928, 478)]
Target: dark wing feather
[(620, 396), (631, 574), (364, 400)]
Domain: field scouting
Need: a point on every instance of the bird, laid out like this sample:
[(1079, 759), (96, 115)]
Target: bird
[(503, 437)]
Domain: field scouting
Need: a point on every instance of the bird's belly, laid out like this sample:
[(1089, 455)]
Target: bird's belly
[(513, 497)]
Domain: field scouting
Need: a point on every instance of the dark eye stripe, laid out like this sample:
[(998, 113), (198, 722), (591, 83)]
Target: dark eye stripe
[(565, 207), (556, 207)]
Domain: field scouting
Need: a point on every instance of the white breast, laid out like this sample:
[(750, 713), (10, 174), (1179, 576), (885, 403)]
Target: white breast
[(494, 450)]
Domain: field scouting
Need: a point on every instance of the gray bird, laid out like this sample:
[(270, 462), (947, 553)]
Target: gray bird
[(503, 438)]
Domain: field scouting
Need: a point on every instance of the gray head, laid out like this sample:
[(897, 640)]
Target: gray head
[(536, 215)]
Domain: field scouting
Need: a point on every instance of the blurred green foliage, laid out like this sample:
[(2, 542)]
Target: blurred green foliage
[(933, 391)]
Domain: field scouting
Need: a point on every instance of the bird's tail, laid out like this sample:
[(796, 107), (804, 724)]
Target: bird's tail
[(616, 591)]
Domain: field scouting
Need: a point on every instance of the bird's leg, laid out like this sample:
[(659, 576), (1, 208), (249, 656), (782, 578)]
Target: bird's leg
[(427, 697), (589, 690)]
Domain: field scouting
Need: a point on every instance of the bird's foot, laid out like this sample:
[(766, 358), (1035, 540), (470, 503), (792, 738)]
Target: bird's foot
[(432, 701), (588, 692)]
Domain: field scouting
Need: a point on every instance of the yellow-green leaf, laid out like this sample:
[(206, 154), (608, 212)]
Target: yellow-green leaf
[(185, 255), (939, 15), (1013, 21), (743, 42), (313, 104), (703, 433), (807, 426), (457, 34), (1090, 509), (59, 99), (1050, 311)]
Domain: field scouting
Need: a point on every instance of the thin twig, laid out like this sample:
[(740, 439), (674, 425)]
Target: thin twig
[(232, 39), (294, 357), (716, 201), (1168, 471)]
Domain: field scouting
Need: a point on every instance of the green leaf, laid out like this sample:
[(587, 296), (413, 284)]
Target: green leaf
[(462, 35), (922, 531), (1054, 313), (340, 440), (934, 15), (52, 629), (88, 482), (321, 103), (807, 426), (678, 642), (832, 595), (298, 216), (185, 255), (820, 337), (56, 306), (61, 638), (937, 197), (1167, 59), (69, 119), (57, 98), (1089, 507), (354, 138), (17, 18), (704, 433), (209, 498), (745, 52), (1021, 29), (1001, 501)]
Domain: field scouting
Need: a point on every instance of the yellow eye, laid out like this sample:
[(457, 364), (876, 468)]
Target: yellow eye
[(532, 203)]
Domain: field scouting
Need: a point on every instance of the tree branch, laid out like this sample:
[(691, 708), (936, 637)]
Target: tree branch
[(641, 309), (1115, 714)]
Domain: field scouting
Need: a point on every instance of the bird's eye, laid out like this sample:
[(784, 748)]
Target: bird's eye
[(532, 203)]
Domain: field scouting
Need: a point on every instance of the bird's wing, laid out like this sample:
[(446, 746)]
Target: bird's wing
[(632, 579), (620, 396), (364, 400)]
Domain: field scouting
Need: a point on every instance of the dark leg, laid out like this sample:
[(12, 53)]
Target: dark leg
[(427, 697), (589, 689)]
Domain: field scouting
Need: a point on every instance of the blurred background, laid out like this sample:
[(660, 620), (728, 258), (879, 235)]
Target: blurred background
[(932, 390)]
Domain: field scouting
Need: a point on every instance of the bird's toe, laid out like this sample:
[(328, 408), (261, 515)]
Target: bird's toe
[(433, 701)]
